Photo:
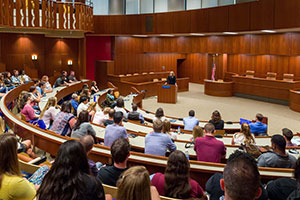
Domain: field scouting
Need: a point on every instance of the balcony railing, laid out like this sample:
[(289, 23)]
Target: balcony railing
[(46, 14)]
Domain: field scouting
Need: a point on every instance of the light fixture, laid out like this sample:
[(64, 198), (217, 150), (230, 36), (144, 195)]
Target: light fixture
[(197, 34), (230, 33), (34, 57), (268, 31), (70, 62), (167, 35), (140, 36)]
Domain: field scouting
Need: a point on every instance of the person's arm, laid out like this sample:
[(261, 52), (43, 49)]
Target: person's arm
[(261, 161), (171, 146), (142, 120), (154, 193), (21, 189), (91, 130), (72, 122), (31, 113), (224, 150)]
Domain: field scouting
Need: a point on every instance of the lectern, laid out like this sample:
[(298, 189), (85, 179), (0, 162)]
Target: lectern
[(166, 93)]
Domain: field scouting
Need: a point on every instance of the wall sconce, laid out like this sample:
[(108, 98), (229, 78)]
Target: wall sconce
[(34, 57), (70, 62)]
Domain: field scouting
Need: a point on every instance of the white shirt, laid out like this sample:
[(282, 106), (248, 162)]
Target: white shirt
[(99, 118), (118, 109), (81, 107), (49, 115)]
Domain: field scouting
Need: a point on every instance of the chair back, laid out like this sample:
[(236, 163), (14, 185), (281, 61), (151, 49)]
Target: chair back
[(26, 167), (220, 132), (164, 79), (250, 73), (288, 77), (271, 75), (155, 80)]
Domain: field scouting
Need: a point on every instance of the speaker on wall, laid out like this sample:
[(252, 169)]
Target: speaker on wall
[(149, 24)]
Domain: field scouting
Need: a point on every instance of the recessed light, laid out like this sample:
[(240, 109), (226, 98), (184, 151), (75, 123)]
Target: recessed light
[(197, 34), (167, 35), (268, 31), (230, 33), (140, 36)]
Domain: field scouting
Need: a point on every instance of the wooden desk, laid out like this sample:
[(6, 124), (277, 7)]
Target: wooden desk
[(295, 100), (219, 89), (166, 93)]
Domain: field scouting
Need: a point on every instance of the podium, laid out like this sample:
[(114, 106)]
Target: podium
[(166, 93)]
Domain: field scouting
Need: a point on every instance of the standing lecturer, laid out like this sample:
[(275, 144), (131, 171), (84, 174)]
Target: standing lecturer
[(171, 79)]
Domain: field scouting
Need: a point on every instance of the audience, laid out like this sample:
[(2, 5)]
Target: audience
[(110, 99), (74, 103), (49, 112), (176, 182), (244, 136), (295, 195), (134, 184), (61, 81), (8, 83), (208, 148), (115, 131), (94, 87), (120, 152), (15, 78), (167, 130), (26, 108), (216, 120), (69, 177), (83, 104), (281, 188), (41, 88), (159, 114), (110, 119), (64, 120), (87, 142), (135, 115), (190, 121), (258, 128), (36, 96), (100, 117), (277, 158), (288, 136), (120, 107), (197, 132), (72, 77), (157, 143), (12, 185), (85, 92), (82, 126), (48, 87), (23, 77)]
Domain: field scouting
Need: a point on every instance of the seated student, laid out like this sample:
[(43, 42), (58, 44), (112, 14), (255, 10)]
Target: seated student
[(85, 92), (244, 136), (49, 112), (208, 148), (159, 114), (115, 131), (61, 81), (190, 121), (12, 184), (295, 195), (176, 182), (135, 184), (288, 136), (100, 117), (281, 188), (74, 103), (197, 132), (120, 152), (41, 88), (277, 158), (110, 119), (48, 87), (72, 77), (135, 115), (82, 126), (25, 146), (94, 87), (64, 120), (216, 120), (36, 96), (157, 143), (258, 128), (120, 107), (83, 104), (110, 99), (27, 109), (167, 130), (7, 80), (69, 177), (23, 77), (15, 78), (88, 142)]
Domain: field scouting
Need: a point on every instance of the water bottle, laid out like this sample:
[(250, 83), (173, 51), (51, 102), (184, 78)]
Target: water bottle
[(187, 153), (94, 98), (178, 130)]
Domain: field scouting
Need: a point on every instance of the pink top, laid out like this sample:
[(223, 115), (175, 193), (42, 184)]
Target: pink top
[(158, 181), (28, 112), (49, 115), (209, 149)]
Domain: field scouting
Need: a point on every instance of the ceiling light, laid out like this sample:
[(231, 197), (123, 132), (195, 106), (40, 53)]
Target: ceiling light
[(230, 33), (167, 35), (268, 31), (197, 34)]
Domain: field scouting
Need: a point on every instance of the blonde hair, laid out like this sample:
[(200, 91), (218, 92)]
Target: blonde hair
[(106, 110), (134, 184), (245, 129), (52, 101), (91, 107), (166, 126), (197, 132)]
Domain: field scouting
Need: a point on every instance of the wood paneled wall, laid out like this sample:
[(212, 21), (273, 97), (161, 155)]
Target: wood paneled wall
[(252, 16), (53, 53)]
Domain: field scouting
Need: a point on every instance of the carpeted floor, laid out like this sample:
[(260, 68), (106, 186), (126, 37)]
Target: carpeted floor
[(231, 108)]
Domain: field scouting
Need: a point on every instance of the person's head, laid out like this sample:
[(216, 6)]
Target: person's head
[(288, 134), (166, 126), (177, 184), (120, 102), (72, 73), (134, 184), (64, 73), (118, 117), (197, 132), (111, 92), (159, 113), (106, 110), (259, 117), (134, 107), (75, 96), (84, 99), (297, 171), (66, 107), (1, 76), (278, 143), (8, 160), (245, 129), (87, 142), (36, 82), (111, 113), (15, 73), (27, 98), (32, 89), (66, 176), (120, 150), (45, 78), (94, 83), (241, 177), (192, 113), (52, 101), (83, 117), (216, 116), (22, 72), (8, 74), (85, 92), (42, 84), (158, 126), (172, 73), (209, 128)]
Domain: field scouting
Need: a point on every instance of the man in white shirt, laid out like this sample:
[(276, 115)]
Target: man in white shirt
[(84, 100)]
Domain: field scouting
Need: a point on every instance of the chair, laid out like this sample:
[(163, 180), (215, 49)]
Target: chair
[(26, 167), (164, 79), (121, 75), (144, 73), (151, 72), (250, 73), (220, 132), (288, 77), (128, 74), (271, 75), (155, 80), (136, 74)]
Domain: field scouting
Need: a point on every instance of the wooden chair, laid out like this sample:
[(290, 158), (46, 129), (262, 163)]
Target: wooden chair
[(128, 74), (26, 167), (151, 72), (288, 77), (250, 73), (144, 73), (136, 74), (220, 132), (164, 79), (271, 75), (121, 75), (155, 80)]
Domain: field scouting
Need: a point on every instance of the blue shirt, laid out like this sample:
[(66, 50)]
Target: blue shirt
[(74, 104), (258, 127), (112, 133), (15, 79), (189, 123), (158, 143)]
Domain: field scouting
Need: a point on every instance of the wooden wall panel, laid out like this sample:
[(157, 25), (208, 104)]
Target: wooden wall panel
[(262, 15), (181, 22), (286, 14), (218, 19), (199, 21), (195, 67), (239, 17)]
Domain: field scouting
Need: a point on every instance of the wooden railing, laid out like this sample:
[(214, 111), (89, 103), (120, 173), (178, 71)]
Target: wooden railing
[(46, 14)]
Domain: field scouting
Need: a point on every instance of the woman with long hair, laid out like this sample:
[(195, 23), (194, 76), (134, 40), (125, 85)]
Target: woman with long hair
[(69, 177), (134, 184), (82, 126), (94, 87), (27, 109), (48, 87), (176, 182), (12, 185), (159, 114), (49, 112), (197, 132), (167, 129), (244, 136), (15, 78), (216, 120)]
